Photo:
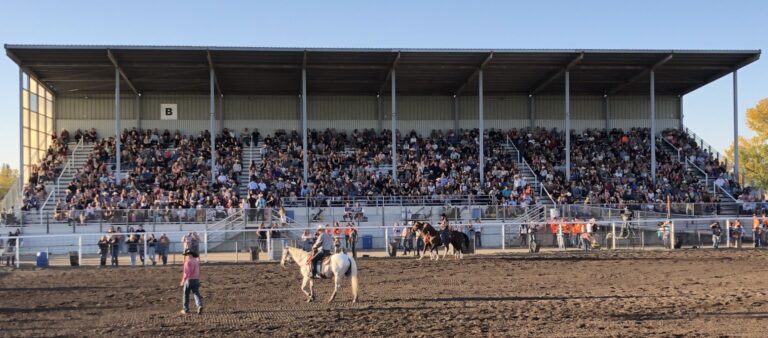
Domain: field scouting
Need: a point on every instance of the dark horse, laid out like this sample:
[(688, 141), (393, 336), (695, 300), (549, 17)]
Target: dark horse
[(431, 237)]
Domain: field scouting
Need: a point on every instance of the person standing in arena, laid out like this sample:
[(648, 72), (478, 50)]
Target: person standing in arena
[(444, 228), (114, 249), (716, 232), (103, 250), (163, 244), (756, 230), (190, 281)]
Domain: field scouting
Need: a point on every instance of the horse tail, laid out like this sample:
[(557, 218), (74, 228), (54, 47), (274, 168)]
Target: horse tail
[(352, 273)]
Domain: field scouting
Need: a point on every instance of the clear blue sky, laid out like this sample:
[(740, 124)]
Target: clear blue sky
[(407, 24)]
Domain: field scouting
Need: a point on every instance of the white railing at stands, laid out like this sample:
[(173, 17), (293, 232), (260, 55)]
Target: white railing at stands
[(228, 223), (66, 169), (704, 145), (542, 189), (717, 187), (706, 176), (673, 147)]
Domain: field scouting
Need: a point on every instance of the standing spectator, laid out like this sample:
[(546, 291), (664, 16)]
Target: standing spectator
[(142, 246), (756, 230), (163, 244), (407, 240), (523, 228), (396, 232), (133, 248), (306, 240), (478, 235), (736, 232), (353, 239), (190, 281), (716, 232), (114, 249), (103, 250), (152, 248), (444, 228), (586, 241)]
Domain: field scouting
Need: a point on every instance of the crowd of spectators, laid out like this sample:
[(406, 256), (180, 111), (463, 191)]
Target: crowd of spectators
[(165, 177), (608, 167)]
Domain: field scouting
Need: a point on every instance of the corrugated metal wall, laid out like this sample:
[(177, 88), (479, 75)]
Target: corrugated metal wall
[(420, 113)]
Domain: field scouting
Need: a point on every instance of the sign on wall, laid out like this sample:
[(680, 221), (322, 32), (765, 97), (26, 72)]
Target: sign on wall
[(169, 111)]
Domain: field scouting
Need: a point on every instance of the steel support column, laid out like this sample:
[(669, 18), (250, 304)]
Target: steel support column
[(606, 112), (21, 132), (213, 126), (456, 114), (118, 152), (481, 134), (531, 117), (394, 126), (138, 111), (221, 113), (379, 122), (680, 112), (736, 126), (304, 142), (653, 126), (567, 126)]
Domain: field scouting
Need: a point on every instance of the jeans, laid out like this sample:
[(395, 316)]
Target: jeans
[(318, 258), (715, 241), (115, 254), (133, 258), (478, 239), (163, 253), (151, 254), (192, 285), (103, 257)]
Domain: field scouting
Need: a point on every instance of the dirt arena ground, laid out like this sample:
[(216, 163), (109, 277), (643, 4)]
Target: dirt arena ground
[(651, 293)]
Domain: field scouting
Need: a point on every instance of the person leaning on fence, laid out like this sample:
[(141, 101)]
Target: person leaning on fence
[(756, 231), (133, 248), (407, 240), (152, 248), (717, 231), (190, 281), (103, 250), (114, 249), (444, 228), (736, 233), (163, 244)]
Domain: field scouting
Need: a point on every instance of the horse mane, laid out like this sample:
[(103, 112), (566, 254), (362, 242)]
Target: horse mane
[(302, 255)]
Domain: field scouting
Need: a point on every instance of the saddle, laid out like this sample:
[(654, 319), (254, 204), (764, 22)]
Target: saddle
[(325, 262)]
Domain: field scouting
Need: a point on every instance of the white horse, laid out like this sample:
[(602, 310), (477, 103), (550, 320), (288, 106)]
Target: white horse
[(341, 264)]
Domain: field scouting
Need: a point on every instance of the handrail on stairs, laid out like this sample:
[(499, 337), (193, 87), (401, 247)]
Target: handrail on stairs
[(673, 147), (64, 170), (542, 188)]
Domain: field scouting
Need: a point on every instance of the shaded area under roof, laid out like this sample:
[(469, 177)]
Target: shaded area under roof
[(261, 71)]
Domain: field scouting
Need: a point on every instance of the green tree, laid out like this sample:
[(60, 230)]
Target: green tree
[(7, 178), (753, 152)]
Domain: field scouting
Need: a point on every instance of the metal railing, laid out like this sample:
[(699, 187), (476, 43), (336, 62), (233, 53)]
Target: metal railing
[(704, 145), (664, 139), (542, 189), (66, 169)]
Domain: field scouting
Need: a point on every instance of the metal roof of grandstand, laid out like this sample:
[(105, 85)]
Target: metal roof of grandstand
[(358, 71)]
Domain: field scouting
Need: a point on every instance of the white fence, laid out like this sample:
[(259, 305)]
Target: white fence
[(231, 244)]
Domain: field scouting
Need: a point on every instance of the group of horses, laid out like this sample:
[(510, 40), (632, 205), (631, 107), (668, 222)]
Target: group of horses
[(342, 265)]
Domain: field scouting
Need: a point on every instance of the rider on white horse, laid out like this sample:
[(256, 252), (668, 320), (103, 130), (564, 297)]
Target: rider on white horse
[(322, 248)]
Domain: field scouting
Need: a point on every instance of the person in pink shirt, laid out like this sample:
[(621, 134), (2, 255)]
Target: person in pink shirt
[(190, 281)]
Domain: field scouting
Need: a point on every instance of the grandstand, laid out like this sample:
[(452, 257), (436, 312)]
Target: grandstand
[(305, 135)]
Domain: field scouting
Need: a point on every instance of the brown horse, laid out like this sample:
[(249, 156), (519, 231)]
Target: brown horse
[(431, 237)]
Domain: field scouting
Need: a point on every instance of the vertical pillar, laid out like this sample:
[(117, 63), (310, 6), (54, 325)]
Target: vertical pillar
[(481, 122), (606, 112), (221, 113), (305, 160), (379, 122), (735, 126), (394, 126), (653, 126), (21, 132), (213, 126), (680, 112), (455, 113), (567, 126), (531, 116), (118, 161), (138, 111)]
